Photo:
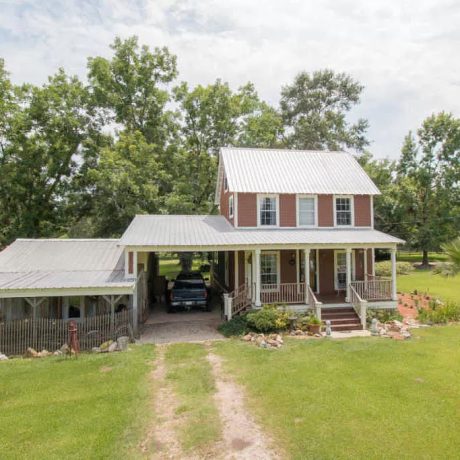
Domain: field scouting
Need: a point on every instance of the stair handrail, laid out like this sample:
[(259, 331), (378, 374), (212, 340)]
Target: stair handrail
[(359, 305), (314, 303)]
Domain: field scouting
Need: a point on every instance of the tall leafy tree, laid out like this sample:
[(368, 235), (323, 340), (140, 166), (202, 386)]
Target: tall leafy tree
[(429, 178), (315, 108), (133, 88), (214, 116), (45, 141)]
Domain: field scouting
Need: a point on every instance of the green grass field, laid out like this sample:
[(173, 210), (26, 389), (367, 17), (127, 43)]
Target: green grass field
[(190, 374), (91, 407), (356, 398), (435, 285), (414, 257)]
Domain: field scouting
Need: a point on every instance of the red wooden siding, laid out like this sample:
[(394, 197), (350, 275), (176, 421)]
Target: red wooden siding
[(231, 270), (326, 271), (325, 211), (287, 210), (288, 268), (359, 264), (224, 196), (363, 214), (247, 210), (130, 262), (370, 262)]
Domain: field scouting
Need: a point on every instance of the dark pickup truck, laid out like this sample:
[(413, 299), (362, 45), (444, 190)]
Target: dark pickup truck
[(188, 293)]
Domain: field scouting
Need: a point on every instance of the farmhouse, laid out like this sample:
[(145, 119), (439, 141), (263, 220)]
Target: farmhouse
[(294, 228)]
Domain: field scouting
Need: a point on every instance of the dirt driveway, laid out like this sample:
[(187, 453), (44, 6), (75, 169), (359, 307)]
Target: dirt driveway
[(192, 326)]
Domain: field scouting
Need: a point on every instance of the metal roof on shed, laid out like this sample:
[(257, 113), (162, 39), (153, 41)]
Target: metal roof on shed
[(182, 231), (292, 171), (62, 264)]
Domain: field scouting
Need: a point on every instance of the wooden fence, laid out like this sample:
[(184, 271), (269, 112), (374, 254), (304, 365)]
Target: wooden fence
[(50, 334)]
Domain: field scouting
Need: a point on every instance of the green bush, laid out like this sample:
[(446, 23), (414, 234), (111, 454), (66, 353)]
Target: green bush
[(384, 268), (268, 319), (439, 313), (238, 325), (383, 315)]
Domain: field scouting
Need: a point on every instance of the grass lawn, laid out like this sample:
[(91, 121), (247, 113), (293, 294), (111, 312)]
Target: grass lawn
[(413, 257), (435, 285), (91, 407), (356, 398), (190, 373), (171, 267)]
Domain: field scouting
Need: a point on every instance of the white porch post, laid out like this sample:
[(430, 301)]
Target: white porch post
[(257, 277), (253, 277), (394, 294), (365, 264), (306, 256), (348, 281), (135, 313)]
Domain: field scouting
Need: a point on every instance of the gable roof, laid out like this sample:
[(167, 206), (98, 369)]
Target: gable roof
[(183, 232), (62, 264), (292, 171)]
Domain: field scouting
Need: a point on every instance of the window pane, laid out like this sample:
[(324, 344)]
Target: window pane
[(343, 211), (269, 269), (306, 211), (268, 211)]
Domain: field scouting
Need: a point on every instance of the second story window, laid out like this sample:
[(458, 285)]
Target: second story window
[(306, 211), (343, 211), (230, 206), (268, 213)]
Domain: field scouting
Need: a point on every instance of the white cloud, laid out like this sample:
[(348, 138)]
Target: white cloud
[(405, 53)]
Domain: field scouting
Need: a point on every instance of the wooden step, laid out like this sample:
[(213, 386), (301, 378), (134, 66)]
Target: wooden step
[(338, 321), (347, 327), (338, 315)]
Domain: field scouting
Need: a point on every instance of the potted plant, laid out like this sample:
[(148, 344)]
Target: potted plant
[(314, 325)]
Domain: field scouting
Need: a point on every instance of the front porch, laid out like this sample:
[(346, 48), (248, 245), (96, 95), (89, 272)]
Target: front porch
[(321, 278)]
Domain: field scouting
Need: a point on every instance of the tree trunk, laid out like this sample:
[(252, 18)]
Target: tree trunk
[(425, 261)]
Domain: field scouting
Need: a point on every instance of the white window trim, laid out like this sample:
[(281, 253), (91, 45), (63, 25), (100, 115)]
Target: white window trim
[(278, 270), (352, 208), (231, 206), (353, 267), (277, 200), (298, 197)]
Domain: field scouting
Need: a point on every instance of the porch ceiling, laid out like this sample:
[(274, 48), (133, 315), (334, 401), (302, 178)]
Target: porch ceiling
[(160, 232)]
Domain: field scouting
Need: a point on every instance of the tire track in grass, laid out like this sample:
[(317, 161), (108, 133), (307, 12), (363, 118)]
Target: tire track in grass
[(243, 438)]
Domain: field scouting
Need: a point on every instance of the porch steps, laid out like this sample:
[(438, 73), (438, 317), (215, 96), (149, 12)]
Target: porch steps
[(342, 319)]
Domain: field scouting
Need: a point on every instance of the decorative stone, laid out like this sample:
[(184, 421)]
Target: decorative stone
[(31, 353), (44, 354), (105, 346), (96, 350), (122, 343), (112, 347), (57, 353), (65, 348), (247, 337), (3, 357), (374, 326), (328, 327)]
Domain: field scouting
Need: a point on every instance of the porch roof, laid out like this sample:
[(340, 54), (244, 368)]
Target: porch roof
[(86, 266), (183, 231)]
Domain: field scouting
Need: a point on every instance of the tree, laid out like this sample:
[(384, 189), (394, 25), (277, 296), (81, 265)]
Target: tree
[(389, 214), (214, 116), (132, 87), (429, 178), (314, 109), (125, 182), (45, 141)]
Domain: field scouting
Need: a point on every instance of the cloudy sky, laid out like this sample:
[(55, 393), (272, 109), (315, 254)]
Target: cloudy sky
[(405, 53)]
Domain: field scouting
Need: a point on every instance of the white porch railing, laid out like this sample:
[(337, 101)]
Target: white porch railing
[(373, 289), (314, 304), (282, 293), (359, 305)]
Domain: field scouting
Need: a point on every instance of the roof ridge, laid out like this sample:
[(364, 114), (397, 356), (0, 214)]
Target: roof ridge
[(286, 150), (68, 239)]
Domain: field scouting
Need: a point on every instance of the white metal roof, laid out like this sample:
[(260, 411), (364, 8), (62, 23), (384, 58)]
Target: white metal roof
[(181, 231), (292, 171), (62, 264)]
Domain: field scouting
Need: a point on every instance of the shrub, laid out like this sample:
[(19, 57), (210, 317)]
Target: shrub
[(439, 313), (268, 319), (384, 268), (238, 325), (383, 315)]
